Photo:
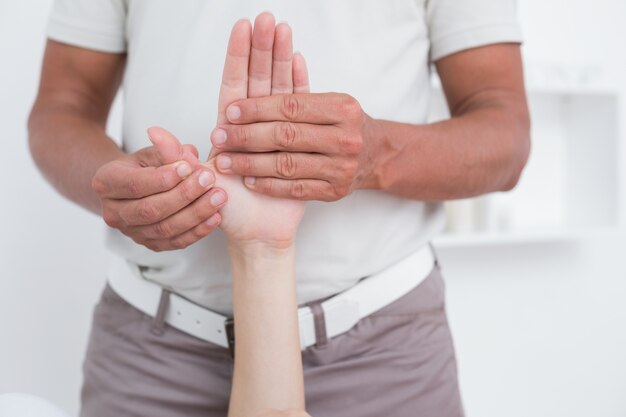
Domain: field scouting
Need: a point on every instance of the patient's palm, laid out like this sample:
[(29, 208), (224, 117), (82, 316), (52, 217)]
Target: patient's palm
[(250, 216)]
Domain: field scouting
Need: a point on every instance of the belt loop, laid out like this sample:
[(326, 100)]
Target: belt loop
[(432, 249), (158, 324), (319, 321), (229, 326)]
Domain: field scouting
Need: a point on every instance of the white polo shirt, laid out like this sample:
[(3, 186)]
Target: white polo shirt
[(378, 51)]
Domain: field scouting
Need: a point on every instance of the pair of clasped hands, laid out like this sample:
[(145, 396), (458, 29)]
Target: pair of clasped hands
[(282, 140)]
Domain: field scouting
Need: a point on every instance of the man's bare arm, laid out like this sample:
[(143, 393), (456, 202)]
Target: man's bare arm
[(327, 146), (160, 196), (67, 123)]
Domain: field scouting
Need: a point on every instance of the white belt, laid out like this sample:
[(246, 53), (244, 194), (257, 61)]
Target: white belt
[(341, 312)]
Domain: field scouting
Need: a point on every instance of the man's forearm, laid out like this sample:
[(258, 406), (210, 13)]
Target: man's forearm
[(481, 151), (68, 148)]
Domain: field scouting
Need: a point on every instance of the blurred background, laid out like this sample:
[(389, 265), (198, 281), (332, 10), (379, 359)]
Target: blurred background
[(536, 278)]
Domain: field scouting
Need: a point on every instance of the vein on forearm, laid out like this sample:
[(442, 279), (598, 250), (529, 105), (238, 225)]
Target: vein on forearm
[(69, 145), (481, 149)]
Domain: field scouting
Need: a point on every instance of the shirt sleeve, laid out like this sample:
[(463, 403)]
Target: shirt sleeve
[(92, 24), (455, 25)]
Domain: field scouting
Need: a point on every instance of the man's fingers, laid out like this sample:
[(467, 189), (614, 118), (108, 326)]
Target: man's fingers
[(294, 189), (119, 181), (281, 136), (282, 72), (300, 74), (235, 77), (169, 148), (287, 165), (260, 68), (198, 212), (154, 208), (190, 149), (186, 239), (317, 108)]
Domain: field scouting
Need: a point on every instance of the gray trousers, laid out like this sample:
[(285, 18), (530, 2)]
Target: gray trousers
[(398, 362)]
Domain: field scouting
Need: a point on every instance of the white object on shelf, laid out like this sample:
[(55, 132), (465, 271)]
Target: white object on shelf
[(574, 178)]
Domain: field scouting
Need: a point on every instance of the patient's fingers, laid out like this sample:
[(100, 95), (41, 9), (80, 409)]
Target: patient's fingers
[(260, 68), (282, 73), (235, 77), (300, 74)]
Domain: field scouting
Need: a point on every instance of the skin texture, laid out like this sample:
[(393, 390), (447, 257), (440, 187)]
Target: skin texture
[(324, 146)]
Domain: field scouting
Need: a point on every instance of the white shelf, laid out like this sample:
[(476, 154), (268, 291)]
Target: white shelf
[(466, 240), (574, 184)]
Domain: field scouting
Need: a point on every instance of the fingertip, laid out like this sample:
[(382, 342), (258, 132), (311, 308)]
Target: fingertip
[(214, 220), (300, 74), (153, 133), (183, 169), (249, 181), (265, 17), (191, 149), (283, 28), (243, 24)]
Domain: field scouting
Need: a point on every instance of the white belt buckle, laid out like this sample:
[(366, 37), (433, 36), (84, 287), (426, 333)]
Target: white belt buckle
[(340, 316)]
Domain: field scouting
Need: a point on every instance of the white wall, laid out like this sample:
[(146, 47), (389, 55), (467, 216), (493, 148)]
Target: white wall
[(539, 327), (51, 253)]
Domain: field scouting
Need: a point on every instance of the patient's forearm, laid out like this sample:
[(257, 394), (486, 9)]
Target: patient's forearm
[(268, 364)]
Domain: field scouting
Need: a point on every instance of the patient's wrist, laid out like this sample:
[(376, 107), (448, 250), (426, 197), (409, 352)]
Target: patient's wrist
[(257, 251)]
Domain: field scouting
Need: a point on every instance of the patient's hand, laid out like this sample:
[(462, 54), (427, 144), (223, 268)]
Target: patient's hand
[(258, 64)]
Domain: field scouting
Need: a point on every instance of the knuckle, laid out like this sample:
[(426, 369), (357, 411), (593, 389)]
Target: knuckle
[(340, 191), (247, 163), (98, 185), (167, 180), (186, 192), (285, 134), (201, 231), (242, 136), (179, 243), (350, 106), (163, 230), (153, 245), (148, 212), (110, 218), (132, 187), (353, 144), (201, 211), (297, 190), (286, 165), (349, 168), (290, 107)]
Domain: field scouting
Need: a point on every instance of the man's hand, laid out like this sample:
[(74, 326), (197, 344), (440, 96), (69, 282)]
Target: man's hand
[(160, 196), (297, 146), (258, 63)]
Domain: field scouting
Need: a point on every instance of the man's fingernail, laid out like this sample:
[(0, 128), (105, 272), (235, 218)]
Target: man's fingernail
[(183, 169), (219, 137), (249, 180), (233, 113), (205, 179), (218, 198), (224, 162), (214, 220)]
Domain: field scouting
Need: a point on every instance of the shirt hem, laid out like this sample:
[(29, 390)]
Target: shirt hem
[(475, 37), (99, 39)]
